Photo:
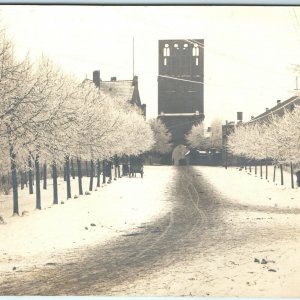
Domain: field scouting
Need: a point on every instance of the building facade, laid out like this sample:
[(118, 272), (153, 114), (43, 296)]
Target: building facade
[(124, 89), (181, 86), (264, 118)]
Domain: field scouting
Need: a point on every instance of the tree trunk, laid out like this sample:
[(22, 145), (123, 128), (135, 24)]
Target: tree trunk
[(72, 169), (292, 176), (250, 168), (22, 180), (79, 176), (274, 174), (261, 175), (266, 170), (281, 174), (65, 172), (68, 179), (104, 169), (116, 173), (25, 179), (98, 173), (255, 169), (13, 168), (37, 182), (45, 175), (54, 174), (87, 168), (110, 170), (119, 172), (92, 176), (30, 179)]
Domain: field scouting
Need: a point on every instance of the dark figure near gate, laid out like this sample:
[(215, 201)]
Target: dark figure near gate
[(125, 169), (136, 166), (107, 170)]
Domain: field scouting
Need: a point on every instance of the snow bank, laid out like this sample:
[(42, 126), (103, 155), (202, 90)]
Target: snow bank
[(247, 188)]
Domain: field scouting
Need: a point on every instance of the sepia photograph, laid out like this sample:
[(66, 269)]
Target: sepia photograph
[(149, 150)]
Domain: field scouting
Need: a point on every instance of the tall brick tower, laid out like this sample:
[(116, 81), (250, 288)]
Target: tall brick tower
[(181, 86)]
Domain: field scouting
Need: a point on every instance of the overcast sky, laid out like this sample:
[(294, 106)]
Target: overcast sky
[(248, 50)]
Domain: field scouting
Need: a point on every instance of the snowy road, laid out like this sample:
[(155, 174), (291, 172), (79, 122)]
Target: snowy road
[(198, 224)]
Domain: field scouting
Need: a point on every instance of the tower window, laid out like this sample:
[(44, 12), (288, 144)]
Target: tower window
[(176, 45), (165, 61), (166, 50), (196, 50), (185, 45), (197, 61)]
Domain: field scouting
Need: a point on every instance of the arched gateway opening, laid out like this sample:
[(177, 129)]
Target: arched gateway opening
[(179, 155)]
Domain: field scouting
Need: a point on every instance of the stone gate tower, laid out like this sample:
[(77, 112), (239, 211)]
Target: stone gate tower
[(181, 86)]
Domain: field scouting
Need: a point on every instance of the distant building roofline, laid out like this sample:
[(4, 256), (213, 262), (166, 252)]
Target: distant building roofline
[(280, 105)]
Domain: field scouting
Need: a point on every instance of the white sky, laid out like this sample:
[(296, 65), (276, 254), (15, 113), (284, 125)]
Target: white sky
[(248, 50)]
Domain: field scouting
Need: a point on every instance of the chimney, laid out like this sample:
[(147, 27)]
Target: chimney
[(135, 81), (113, 78), (144, 109), (278, 101), (240, 116), (96, 78)]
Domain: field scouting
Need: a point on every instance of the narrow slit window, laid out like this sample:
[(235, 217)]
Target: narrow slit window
[(166, 50), (197, 61), (196, 50), (165, 61)]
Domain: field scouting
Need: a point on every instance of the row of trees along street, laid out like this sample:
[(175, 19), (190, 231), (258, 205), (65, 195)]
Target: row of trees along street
[(49, 116), (275, 141)]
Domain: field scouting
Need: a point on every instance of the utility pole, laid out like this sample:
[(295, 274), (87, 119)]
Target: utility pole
[(296, 70), (226, 150), (133, 58)]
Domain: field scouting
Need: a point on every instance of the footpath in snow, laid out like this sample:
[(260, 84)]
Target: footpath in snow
[(247, 188), (112, 210)]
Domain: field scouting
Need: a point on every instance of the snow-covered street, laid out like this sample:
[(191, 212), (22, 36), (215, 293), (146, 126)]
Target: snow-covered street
[(178, 231), (108, 212)]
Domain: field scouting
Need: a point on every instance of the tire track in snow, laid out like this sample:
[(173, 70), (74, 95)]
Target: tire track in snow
[(97, 271)]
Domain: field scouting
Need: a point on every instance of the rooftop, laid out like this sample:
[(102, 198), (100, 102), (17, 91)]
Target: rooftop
[(279, 108), (117, 88)]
